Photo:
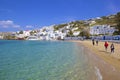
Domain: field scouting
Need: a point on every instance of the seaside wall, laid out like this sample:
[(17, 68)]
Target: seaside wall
[(107, 37)]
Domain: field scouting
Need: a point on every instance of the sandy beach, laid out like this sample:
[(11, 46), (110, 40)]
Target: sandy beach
[(107, 62)]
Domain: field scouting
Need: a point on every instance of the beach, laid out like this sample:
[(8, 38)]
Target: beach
[(108, 63)]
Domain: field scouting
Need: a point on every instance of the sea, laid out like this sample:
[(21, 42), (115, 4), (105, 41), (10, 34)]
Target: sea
[(44, 60)]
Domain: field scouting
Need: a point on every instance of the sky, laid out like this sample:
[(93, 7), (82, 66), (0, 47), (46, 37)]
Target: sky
[(18, 15)]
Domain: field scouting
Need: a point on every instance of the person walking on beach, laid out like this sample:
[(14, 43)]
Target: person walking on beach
[(112, 48), (97, 42), (93, 42), (106, 45)]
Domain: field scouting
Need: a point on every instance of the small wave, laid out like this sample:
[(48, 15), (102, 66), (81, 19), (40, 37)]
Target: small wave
[(98, 74)]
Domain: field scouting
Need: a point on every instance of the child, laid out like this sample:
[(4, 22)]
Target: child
[(112, 48)]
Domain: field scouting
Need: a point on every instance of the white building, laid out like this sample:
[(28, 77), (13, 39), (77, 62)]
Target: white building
[(20, 36), (1, 37), (73, 29), (102, 29), (76, 33), (68, 27), (92, 22), (26, 33), (48, 33)]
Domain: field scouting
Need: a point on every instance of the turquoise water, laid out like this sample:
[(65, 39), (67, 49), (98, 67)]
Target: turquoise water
[(43, 60)]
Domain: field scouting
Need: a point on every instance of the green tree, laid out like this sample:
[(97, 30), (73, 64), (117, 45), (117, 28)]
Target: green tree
[(32, 32), (70, 34), (81, 34), (104, 17), (10, 37), (44, 30), (56, 28), (21, 32), (85, 33), (116, 33)]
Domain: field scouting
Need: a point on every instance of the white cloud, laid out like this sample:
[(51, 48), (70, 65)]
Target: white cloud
[(8, 24), (29, 26)]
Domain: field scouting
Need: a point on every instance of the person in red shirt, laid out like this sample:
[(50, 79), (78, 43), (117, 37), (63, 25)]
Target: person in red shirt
[(106, 45)]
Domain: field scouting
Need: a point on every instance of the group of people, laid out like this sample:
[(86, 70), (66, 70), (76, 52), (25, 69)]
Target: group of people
[(105, 45), (93, 42), (111, 46)]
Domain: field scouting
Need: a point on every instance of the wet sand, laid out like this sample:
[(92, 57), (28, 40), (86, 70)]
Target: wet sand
[(107, 64)]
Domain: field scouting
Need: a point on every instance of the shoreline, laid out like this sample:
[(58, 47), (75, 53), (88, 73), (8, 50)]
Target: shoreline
[(107, 63), (100, 51)]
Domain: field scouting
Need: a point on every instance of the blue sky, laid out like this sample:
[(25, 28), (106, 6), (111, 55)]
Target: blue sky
[(31, 14)]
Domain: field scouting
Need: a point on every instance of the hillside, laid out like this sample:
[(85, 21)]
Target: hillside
[(84, 25), (104, 20)]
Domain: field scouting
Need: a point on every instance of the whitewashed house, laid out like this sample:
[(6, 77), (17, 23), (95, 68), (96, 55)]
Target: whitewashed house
[(26, 33), (73, 29), (48, 33), (92, 22), (68, 27), (1, 36), (76, 33), (102, 29)]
